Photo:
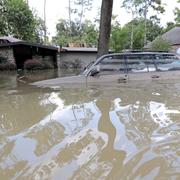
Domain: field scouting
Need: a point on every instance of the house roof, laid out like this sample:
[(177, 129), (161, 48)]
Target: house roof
[(78, 49), (10, 39), (173, 36)]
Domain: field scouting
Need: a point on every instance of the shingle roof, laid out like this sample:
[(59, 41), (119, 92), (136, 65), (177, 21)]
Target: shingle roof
[(173, 36), (10, 39), (79, 49)]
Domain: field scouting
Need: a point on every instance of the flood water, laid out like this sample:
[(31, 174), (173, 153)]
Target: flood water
[(112, 131)]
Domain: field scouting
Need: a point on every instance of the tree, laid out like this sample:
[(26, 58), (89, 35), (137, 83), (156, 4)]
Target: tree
[(177, 14), (45, 30), (40, 30), (131, 8), (83, 6), (159, 44), (2, 18), (77, 13), (105, 27), (17, 20), (62, 35), (86, 35), (90, 34), (143, 7), (120, 37), (169, 26)]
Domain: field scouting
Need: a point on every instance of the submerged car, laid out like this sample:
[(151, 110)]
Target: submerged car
[(124, 67)]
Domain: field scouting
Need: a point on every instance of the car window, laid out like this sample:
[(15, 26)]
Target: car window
[(139, 63), (167, 63), (167, 56), (112, 65)]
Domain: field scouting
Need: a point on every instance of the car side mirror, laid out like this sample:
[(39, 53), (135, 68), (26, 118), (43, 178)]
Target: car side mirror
[(94, 71)]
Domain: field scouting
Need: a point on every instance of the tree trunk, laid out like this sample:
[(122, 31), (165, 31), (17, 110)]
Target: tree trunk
[(145, 23), (132, 30), (45, 32), (69, 12), (105, 27)]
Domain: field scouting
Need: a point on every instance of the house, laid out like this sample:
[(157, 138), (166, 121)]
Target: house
[(173, 37), (17, 52)]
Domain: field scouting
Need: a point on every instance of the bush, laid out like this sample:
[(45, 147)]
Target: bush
[(33, 64), (48, 65), (7, 66), (159, 44), (76, 64)]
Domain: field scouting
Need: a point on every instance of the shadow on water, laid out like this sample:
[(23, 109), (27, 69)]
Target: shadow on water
[(128, 131)]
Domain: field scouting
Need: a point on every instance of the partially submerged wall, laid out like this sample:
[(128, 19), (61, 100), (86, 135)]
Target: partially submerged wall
[(71, 60), (7, 60), (7, 53)]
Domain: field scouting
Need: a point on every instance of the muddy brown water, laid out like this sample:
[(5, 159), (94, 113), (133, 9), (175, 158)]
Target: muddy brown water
[(112, 131)]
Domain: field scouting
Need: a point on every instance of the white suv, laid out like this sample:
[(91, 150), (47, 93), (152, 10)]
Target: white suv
[(124, 67)]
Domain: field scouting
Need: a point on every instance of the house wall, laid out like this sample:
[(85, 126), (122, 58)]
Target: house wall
[(175, 49), (76, 60), (7, 53)]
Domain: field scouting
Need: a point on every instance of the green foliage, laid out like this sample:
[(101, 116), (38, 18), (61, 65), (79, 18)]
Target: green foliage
[(18, 20), (121, 37), (141, 8), (89, 34), (66, 34), (62, 35), (169, 26), (177, 14), (159, 44)]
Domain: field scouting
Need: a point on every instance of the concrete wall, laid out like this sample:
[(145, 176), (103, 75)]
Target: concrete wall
[(7, 53), (75, 60)]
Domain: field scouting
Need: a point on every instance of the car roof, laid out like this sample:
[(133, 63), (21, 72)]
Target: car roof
[(141, 53)]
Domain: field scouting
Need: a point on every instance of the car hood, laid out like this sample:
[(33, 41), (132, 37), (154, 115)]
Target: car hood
[(62, 81)]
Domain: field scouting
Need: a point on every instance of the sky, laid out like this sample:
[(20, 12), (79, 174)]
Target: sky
[(56, 9)]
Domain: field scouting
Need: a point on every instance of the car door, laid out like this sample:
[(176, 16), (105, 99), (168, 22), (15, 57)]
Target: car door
[(141, 67), (110, 69)]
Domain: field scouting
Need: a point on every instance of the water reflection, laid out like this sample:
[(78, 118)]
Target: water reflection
[(127, 131)]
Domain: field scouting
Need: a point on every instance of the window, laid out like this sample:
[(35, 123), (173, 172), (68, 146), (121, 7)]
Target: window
[(166, 56), (139, 63), (114, 64), (167, 62)]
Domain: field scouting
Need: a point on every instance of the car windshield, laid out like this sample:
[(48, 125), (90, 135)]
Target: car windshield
[(88, 67)]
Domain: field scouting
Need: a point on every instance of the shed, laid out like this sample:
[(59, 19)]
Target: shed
[(17, 52)]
